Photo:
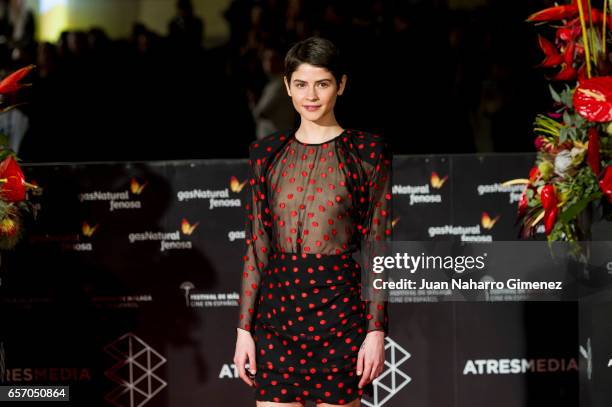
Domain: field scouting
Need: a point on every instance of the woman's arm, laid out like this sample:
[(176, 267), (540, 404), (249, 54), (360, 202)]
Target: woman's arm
[(257, 240), (377, 227)]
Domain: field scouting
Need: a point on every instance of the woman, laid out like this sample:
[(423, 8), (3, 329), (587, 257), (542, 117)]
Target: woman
[(316, 193)]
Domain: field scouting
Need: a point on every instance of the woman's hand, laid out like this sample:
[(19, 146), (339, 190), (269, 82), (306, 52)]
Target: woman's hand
[(371, 358), (245, 350)]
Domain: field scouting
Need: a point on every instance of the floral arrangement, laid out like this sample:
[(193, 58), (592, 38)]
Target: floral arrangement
[(13, 186), (573, 168)]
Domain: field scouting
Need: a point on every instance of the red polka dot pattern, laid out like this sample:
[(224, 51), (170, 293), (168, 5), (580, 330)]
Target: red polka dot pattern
[(310, 207)]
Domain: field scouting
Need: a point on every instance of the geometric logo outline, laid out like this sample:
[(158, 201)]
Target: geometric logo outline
[(398, 378), (134, 371)]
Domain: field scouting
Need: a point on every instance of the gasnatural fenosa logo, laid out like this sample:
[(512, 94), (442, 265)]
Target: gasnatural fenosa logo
[(423, 193), (178, 239), (217, 198), (467, 233), (118, 199)]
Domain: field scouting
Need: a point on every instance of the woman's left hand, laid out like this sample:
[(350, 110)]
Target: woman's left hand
[(371, 358)]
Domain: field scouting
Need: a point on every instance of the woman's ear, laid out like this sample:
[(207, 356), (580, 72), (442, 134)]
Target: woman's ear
[(342, 84), (286, 85)]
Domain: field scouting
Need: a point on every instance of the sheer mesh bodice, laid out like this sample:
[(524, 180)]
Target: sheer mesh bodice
[(315, 198)]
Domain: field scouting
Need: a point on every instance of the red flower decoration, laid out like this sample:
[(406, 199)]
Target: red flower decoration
[(523, 204), (534, 173), (593, 150), (548, 197), (549, 220), (13, 188), (552, 57), (11, 83), (554, 13), (605, 183), (593, 99), (539, 143)]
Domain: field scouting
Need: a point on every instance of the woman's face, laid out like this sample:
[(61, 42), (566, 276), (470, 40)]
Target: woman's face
[(313, 91)]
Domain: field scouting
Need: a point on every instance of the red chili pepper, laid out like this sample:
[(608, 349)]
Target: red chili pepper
[(534, 173), (549, 220), (13, 189), (593, 150), (11, 83), (593, 99), (522, 205), (554, 13), (605, 183), (548, 197)]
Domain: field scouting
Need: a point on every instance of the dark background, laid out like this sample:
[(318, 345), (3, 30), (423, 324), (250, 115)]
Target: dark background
[(431, 78)]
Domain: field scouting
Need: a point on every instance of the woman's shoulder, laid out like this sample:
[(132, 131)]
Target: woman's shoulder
[(265, 147), (371, 146)]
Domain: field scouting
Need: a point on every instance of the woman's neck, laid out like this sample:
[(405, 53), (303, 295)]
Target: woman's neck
[(311, 132)]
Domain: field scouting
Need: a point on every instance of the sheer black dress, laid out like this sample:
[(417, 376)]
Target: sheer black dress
[(310, 207)]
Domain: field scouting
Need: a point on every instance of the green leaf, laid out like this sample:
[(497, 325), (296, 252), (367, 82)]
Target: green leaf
[(573, 211), (554, 94), (546, 131), (563, 134), (567, 119), (4, 153), (567, 96)]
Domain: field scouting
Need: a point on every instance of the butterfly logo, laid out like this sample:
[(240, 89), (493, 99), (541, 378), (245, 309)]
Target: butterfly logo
[(88, 230), (235, 185), (437, 182), (487, 222), (136, 187), (188, 228)]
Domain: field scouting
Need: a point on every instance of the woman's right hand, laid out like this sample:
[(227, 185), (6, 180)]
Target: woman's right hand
[(245, 350)]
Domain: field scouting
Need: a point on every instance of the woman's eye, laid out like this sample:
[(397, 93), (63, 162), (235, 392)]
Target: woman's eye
[(323, 84)]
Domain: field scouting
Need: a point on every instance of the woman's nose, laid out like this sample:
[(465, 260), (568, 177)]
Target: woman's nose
[(312, 94)]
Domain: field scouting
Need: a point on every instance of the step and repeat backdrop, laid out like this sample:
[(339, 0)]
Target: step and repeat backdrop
[(126, 285)]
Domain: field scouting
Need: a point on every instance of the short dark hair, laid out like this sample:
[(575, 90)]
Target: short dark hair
[(315, 51)]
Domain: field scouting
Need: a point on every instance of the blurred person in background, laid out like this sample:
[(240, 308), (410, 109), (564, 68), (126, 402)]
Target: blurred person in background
[(274, 110), (186, 30), (23, 27), (13, 125)]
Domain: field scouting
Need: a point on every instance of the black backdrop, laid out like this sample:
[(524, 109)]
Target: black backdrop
[(125, 288)]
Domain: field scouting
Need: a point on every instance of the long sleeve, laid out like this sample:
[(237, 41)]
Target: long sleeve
[(257, 232), (377, 227)]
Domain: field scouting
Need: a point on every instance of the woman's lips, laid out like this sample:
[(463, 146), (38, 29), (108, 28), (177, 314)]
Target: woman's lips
[(311, 108)]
